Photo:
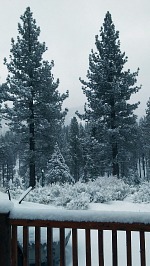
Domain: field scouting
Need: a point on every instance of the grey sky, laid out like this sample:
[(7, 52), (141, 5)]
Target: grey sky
[(69, 27)]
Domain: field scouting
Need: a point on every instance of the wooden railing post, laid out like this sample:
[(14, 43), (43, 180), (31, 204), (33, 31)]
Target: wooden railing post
[(5, 240), (5, 232)]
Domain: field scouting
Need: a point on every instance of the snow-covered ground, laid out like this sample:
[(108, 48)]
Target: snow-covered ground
[(126, 207)]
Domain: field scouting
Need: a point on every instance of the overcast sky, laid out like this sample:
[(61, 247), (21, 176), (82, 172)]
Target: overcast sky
[(69, 27)]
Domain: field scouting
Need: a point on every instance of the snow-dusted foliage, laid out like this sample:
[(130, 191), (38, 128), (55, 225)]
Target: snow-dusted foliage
[(108, 89), (16, 187), (35, 113), (104, 189), (79, 195), (57, 170), (143, 193), (79, 203)]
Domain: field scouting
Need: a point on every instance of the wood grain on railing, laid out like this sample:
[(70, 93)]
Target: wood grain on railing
[(37, 246), (49, 246), (114, 248), (75, 225), (83, 225), (74, 247), (25, 245), (14, 246), (5, 240), (88, 247), (142, 248), (128, 247), (62, 247), (100, 248)]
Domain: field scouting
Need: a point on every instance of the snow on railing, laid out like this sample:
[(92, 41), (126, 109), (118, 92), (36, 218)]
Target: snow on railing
[(16, 217), (80, 215), (6, 206), (26, 213)]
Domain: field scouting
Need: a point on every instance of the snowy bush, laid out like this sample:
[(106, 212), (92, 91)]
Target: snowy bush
[(45, 195), (143, 193), (16, 193), (73, 196), (16, 188), (105, 189), (79, 203), (65, 196), (78, 195)]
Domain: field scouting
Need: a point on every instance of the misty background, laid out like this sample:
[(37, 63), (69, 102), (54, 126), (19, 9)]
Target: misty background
[(69, 27)]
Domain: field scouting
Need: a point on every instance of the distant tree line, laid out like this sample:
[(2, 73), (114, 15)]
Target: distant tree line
[(107, 139)]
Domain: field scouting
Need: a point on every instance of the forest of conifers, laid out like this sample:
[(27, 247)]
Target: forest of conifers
[(106, 139)]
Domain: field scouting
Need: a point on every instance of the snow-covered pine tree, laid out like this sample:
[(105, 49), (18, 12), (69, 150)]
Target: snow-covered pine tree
[(108, 91), (8, 156), (57, 170), (144, 126), (36, 109), (75, 149), (93, 156)]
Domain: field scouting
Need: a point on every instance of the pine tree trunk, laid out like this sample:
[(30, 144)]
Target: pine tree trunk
[(143, 164), (140, 167), (3, 174), (7, 172), (32, 147), (115, 165), (31, 125)]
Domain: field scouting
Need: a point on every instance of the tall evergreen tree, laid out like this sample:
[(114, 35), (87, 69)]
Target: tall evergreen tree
[(93, 155), (57, 170), (36, 110), (75, 149), (144, 139), (141, 147), (108, 91), (8, 156)]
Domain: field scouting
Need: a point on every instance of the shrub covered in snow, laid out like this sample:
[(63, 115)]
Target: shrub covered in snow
[(143, 193), (78, 195), (73, 196), (79, 203), (105, 189)]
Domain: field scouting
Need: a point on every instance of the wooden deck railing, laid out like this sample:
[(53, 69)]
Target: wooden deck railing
[(74, 224), (88, 226)]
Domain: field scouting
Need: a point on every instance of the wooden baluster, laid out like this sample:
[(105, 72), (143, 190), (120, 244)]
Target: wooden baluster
[(128, 246), (49, 246), (88, 247), (100, 248), (114, 248), (75, 247), (62, 247), (5, 240), (142, 248), (14, 254), (25, 245), (37, 246)]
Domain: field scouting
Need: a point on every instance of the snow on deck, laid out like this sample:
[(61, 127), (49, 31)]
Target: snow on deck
[(102, 213), (80, 215), (6, 206)]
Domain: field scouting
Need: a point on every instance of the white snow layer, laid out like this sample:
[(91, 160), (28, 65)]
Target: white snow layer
[(40, 212), (6, 206), (21, 212), (77, 215)]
